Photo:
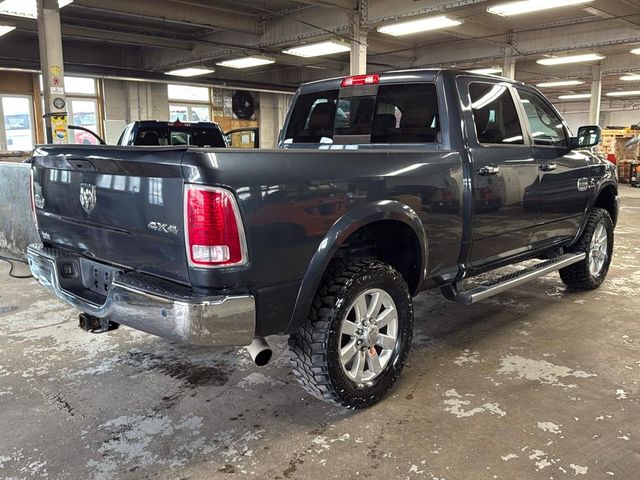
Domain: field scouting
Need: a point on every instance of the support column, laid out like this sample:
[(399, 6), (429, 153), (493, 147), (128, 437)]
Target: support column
[(52, 66), (358, 56), (596, 95), (509, 65)]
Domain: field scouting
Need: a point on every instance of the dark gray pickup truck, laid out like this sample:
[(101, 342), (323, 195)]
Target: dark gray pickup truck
[(385, 185)]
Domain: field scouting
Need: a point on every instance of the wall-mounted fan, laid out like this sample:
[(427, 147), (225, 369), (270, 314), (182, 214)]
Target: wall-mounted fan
[(243, 104)]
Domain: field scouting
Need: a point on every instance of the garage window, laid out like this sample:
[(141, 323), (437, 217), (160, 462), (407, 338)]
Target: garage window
[(17, 132), (189, 103)]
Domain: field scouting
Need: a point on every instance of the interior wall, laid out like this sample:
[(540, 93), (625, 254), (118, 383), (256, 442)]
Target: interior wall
[(273, 109), (128, 101)]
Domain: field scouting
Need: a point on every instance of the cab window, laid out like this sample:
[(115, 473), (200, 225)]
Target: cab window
[(546, 126), (406, 114), (494, 114), (312, 118)]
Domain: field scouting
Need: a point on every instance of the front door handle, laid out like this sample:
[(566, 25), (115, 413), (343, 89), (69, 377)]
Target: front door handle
[(547, 167), (489, 170)]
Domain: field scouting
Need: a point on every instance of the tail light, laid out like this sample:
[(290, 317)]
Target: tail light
[(32, 197), (214, 236), (356, 80)]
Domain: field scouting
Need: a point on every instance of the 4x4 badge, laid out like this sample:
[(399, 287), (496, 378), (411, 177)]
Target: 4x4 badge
[(87, 197)]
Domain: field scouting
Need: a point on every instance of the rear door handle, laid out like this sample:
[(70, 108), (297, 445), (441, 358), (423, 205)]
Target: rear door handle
[(489, 170), (547, 167)]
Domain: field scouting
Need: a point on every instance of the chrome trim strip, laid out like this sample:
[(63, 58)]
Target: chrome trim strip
[(211, 321)]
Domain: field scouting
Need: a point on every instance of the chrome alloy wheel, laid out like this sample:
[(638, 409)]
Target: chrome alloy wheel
[(598, 250), (368, 335)]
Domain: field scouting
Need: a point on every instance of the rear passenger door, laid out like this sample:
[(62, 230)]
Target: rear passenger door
[(504, 173), (564, 174)]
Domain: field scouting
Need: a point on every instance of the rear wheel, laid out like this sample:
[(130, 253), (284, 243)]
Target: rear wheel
[(597, 242), (352, 348)]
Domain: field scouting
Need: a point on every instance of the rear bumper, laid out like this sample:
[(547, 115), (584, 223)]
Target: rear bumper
[(208, 321)]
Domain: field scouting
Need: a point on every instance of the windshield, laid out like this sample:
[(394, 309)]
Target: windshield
[(164, 135)]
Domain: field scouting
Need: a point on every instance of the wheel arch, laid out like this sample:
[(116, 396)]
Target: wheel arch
[(605, 196), (371, 217)]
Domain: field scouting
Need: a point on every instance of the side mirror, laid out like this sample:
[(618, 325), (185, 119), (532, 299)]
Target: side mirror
[(588, 136)]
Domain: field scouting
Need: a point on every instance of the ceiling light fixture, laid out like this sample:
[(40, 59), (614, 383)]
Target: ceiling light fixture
[(246, 62), (528, 6), (4, 29), (25, 8), (575, 96), (587, 57), (317, 49), (636, 51), (487, 71), (632, 77), (420, 25), (189, 71), (627, 93), (560, 83)]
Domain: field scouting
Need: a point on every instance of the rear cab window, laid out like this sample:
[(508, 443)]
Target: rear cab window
[(371, 114)]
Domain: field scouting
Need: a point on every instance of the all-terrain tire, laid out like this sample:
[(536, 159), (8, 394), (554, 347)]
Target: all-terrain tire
[(579, 275), (315, 347)]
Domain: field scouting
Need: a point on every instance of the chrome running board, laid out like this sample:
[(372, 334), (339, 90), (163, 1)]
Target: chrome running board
[(511, 280)]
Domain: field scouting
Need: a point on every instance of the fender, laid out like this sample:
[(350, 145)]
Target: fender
[(351, 221), (608, 179)]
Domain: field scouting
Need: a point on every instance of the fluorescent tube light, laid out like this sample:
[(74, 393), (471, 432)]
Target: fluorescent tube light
[(575, 96), (420, 25), (317, 49), (587, 57), (627, 93), (636, 51), (528, 6), (189, 72), (487, 71), (560, 83), (4, 29), (246, 62), (632, 77), (25, 8)]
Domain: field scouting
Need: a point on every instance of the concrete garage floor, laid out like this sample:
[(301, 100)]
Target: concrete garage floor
[(538, 383)]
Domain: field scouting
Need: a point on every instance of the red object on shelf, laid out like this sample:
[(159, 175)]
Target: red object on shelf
[(612, 158)]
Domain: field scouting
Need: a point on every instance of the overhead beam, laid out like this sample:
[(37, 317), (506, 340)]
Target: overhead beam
[(346, 4), (167, 10), (122, 38)]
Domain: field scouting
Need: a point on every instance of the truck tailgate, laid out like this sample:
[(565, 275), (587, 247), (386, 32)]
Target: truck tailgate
[(118, 205)]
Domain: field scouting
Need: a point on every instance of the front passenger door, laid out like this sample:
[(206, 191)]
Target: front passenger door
[(505, 173), (564, 174)]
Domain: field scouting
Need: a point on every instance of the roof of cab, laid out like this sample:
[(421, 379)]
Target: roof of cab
[(419, 74), (173, 123)]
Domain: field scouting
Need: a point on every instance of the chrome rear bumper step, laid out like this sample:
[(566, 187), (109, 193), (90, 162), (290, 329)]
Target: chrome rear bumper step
[(511, 280)]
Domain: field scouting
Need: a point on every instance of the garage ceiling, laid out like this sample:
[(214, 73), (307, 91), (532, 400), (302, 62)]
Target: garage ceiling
[(145, 38)]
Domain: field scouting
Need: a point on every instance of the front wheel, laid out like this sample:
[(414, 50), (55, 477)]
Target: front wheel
[(352, 348), (597, 242)]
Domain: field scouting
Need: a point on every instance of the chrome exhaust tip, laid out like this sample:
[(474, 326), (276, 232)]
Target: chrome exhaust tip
[(260, 351)]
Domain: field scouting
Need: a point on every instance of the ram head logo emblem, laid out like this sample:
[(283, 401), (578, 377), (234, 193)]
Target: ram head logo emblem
[(87, 197)]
